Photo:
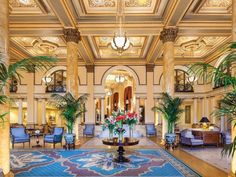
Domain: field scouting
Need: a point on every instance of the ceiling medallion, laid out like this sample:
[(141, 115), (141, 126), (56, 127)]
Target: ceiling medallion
[(45, 46), (193, 45), (120, 42)]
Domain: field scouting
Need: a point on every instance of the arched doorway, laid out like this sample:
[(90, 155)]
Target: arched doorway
[(120, 89)]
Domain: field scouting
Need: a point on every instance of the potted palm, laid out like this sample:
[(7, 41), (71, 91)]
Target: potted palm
[(220, 75), (170, 108), (7, 72), (71, 108)]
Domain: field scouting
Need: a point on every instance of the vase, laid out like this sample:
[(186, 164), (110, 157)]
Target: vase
[(130, 131), (110, 134), (120, 137)]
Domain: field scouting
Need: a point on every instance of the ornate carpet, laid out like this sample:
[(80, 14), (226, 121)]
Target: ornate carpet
[(91, 162)]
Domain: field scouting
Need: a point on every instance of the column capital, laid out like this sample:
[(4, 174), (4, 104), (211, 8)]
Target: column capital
[(150, 67), (90, 68), (168, 34), (72, 35)]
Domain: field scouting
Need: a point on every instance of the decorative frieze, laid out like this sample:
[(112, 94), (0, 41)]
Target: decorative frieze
[(72, 35), (169, 34)]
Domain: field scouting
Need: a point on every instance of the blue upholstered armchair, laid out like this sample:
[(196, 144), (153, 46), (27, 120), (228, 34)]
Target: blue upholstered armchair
[(187, 138), (89, 130), (55, 137), (18, 135), (151, 130)]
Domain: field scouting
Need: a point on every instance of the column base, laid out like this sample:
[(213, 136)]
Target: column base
[(231, 174), (10, 174)]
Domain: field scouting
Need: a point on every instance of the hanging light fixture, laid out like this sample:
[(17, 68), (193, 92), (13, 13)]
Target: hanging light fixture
[(25, 2), (119, 79), (47, 79), (120, 42)]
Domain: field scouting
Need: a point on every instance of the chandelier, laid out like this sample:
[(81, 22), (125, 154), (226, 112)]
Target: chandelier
[(47, 79), (120, 42), (25, 2), (120, 79)]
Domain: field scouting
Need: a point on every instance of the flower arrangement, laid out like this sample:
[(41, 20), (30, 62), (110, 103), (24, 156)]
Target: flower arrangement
[(131, 120), (115, 123), (110, 123)]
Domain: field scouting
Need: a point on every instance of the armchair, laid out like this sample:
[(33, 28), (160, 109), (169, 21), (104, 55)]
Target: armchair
[(187, 138), (55, 137), (151, 130), (19, 135), (88, 130)]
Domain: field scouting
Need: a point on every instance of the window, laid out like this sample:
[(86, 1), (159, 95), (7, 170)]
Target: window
[(187, 114), (220, 82), (182, 83), (13, 85), (58, 83)]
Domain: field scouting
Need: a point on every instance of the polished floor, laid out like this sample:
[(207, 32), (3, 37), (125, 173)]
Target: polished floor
[(202, 167)]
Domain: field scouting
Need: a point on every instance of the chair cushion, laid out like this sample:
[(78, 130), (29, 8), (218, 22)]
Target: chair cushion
[(49, 138), (58, 131), (18, 131), (22, 139), (197, 142)]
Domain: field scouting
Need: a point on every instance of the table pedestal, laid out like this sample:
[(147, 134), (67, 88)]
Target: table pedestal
[(37, 141), (120, 158)]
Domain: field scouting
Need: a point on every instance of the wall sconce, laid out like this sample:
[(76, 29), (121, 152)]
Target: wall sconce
[(47, 79)]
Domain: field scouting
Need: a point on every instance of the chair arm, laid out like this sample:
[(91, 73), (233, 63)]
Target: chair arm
[(57, 138), (185, 140)]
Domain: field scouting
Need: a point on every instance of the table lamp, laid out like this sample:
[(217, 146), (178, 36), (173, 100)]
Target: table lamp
[(204, 122)]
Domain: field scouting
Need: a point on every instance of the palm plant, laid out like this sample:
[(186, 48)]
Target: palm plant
[(7, 72), (170, 108), (218, 74), (71, 108)]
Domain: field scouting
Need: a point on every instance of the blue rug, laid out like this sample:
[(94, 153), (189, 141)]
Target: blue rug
[(83, 162)]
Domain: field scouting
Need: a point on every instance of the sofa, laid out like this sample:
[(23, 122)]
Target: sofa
[(187, 138)]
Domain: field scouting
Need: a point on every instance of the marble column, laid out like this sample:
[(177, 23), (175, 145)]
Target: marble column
[(90, 90), (72, 37), (195, 117), (213, 107), (203, 107), (5, 130), (30, 98), (207, 107), (36, 111), (150, 100), (137, 105), (20, 111), (102, 110), (159, 114), (233, 129), (43, 111), (168, 36)]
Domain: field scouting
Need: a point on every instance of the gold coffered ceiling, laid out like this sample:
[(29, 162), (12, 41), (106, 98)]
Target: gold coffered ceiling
[(54, 46), (204, 26), (197, 46)]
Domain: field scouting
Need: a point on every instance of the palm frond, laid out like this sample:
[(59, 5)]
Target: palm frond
[(3, 99), (229, 149), (71, 108)]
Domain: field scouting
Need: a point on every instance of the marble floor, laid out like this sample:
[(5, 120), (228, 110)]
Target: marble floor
[(212, 155)]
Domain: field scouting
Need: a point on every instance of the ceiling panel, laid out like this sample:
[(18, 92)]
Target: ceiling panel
[(197, 47)]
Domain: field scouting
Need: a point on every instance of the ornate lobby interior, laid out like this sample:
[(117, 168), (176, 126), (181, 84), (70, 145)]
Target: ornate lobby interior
[(121, 55)]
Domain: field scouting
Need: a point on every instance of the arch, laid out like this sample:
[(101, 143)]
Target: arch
[(54, 69), (221, 58), (120, 67), (180, 67), (217, 64)]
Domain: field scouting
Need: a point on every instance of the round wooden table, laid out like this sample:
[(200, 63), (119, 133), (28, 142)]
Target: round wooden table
[(126, 142)]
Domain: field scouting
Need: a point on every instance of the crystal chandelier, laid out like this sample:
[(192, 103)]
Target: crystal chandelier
[(120, 42), (120, 79), (25, 2)]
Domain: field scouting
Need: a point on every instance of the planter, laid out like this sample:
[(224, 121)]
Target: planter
[(170, 138), (69, 138)]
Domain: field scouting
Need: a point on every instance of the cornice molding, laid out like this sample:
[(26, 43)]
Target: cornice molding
[(72, 35), (168, 34)]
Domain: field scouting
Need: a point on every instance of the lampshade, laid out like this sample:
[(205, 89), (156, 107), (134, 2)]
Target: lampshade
[(204, 120)]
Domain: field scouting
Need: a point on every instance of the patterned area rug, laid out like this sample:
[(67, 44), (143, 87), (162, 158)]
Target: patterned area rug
[(97, 143), (91, 162)]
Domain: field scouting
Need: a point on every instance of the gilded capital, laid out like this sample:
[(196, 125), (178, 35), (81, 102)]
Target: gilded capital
[(72, 35), (169, 34)]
